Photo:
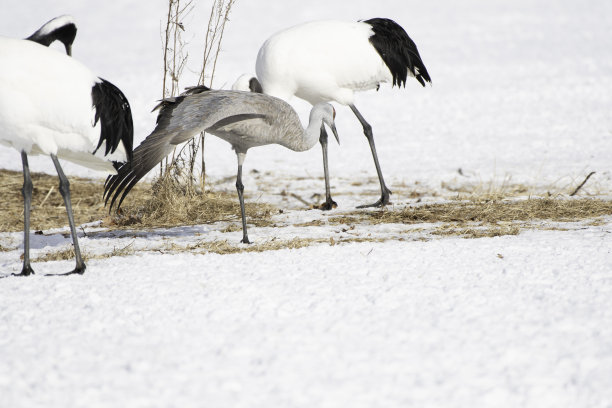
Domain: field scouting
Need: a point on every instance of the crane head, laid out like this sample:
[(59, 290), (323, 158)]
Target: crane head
[(62, 28), (329, 117)]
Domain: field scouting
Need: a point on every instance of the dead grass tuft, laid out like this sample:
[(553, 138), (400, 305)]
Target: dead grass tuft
[(61, 255), (68, 254), (486, 231), (313, 223), (225, 247), (169, 203)]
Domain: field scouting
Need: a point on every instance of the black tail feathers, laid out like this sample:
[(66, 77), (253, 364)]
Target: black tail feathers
[(115, 116), (397, 50)]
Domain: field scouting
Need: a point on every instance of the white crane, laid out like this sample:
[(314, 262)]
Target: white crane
[(243, 119), (325, 61), (51, 104)]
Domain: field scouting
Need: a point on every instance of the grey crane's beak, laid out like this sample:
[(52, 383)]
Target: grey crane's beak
[(333, 129), (68, 49)]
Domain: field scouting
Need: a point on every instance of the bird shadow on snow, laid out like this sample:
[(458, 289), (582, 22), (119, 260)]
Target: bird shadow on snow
[(55, 241), (187, 230), (61, 238)]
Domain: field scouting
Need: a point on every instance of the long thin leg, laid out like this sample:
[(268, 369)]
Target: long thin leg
[(384, 191), (27, 205), (240, 189), (329, 203), (64, 188)]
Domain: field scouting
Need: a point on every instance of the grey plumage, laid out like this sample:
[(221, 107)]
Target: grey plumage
[(243, 119)]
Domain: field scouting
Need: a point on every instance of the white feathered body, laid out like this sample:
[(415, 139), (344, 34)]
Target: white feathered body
[(46, 105), (321, 61)]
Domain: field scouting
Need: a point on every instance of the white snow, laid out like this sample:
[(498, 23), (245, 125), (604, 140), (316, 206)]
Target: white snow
[(521, 93)]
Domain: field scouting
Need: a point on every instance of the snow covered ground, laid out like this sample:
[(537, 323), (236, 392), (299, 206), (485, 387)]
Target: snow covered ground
[(522, 94)]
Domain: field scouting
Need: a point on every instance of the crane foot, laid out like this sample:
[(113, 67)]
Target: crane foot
[(382, 201), (329, 204), (26, 271), (79, 270)]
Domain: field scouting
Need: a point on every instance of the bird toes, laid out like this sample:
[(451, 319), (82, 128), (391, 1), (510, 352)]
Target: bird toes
[(26, 271), (79, 270), (382, 201), (329, 204)]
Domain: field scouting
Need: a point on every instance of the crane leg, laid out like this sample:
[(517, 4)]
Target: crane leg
[(240, 189), (329, 203), (27, 204), (64, 188), (384, 191)]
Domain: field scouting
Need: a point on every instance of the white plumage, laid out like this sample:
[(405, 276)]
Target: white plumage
[(46, 105), (321, 61), (52, 104)]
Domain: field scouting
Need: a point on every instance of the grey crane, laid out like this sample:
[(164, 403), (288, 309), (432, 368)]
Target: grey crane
[(242, 119)]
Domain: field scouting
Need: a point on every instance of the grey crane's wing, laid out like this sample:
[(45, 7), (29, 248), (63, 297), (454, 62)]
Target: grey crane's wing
[(180, 119)]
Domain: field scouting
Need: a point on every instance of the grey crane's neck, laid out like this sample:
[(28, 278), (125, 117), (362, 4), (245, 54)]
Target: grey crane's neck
[(306, 138)]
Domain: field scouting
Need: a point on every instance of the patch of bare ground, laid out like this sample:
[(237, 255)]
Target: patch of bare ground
[(487, 218)]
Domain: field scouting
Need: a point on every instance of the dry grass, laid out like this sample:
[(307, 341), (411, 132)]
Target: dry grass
[(486, 218), (485, 231), (225, 247), (313, 223), (495, 211), (171, 204), (67, 254), (167, 203), (60, 255), (163, 205), (48, 209), (218, 247)]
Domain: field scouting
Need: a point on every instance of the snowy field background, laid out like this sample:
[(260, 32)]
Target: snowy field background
[(521, 94)]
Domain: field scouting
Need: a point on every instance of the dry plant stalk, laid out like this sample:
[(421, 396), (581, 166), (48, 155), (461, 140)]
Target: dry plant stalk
[(219, 16), (183, 164), (175, 58), (582, 184)]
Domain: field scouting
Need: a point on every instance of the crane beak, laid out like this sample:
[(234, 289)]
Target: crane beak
[(68, 49), (333, 128)]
